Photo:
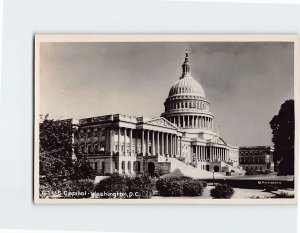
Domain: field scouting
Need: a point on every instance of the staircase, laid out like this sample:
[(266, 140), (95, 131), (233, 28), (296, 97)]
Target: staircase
[(191, 171)]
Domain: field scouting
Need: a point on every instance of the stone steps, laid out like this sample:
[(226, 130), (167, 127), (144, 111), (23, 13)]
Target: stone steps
[(191, 171)]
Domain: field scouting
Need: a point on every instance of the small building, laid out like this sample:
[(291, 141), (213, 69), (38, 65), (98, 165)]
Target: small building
[(256, 158)]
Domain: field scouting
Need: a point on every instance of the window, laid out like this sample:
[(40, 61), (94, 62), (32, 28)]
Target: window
[(123, 166), (129, 167)]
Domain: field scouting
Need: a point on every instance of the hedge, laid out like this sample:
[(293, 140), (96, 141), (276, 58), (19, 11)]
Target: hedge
[(179, 186)]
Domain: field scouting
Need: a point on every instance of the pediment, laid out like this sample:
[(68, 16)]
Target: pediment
[(218, 140), (161, 121)]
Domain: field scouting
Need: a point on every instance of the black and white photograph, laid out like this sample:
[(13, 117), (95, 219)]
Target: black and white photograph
[(165, 119)]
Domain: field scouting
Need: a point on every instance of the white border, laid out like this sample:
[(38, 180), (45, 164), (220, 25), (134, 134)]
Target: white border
[(162, 38)]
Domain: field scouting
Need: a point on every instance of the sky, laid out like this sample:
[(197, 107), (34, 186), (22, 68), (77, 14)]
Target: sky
[(245, 82)]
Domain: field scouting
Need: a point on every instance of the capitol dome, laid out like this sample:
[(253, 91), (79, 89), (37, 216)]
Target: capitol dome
[(187, 85), (186, 105)]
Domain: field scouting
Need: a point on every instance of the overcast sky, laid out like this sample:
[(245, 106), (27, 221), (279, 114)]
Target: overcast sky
[(245, 82)]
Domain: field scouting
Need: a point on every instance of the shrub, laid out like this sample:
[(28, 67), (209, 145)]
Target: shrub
[(222, 191), (141, 185), (169, 186), (179, 186), (192, 188), (117, 186), (113, 184), (271, 188)]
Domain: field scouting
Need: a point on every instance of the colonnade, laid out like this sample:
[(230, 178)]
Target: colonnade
[(192, 121), (183, 104), (211, 153), (152, 142)]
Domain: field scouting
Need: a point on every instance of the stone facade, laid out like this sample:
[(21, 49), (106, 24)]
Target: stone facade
[(130, 145), (256, 158)]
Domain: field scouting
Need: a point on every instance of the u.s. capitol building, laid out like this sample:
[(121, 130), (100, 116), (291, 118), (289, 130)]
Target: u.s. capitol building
[(182, 138)]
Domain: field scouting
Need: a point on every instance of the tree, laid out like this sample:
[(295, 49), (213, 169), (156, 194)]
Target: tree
[(59, 157), (283, 130)]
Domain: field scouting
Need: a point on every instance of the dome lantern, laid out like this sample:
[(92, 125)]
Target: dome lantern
[(186, 66)]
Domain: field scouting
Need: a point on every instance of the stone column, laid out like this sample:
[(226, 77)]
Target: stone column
[(143, 143), (180, 144), (136, 142), (125, 147), (119, 141), (157, 143), (171, 145), (183, 121), (176, 145), (201, 153), (111, 142), (163, 144), (153, 144), (197, 152), (173, 142), (147, 143), (178, 120), (192, 122), (216, 153), (223, 154), (188, 121), (167, 144), (130, 135)]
